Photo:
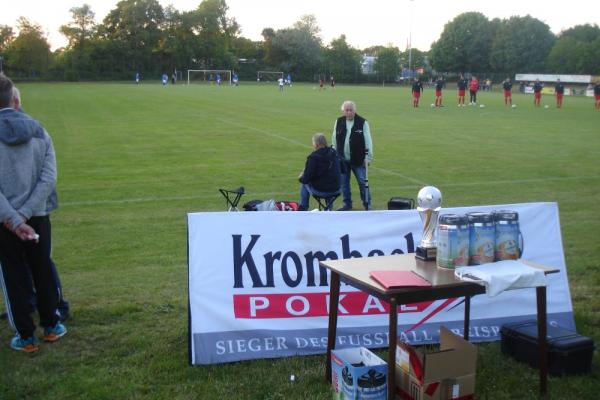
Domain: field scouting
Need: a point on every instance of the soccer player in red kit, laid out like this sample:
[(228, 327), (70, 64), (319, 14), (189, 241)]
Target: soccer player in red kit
[(559, 89), (537, 93), (507, 86), (473, 88), (462, 86), (439, 85), (417, 89), (597, 95)]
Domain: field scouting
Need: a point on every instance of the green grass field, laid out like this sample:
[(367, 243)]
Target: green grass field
[(133, 160)]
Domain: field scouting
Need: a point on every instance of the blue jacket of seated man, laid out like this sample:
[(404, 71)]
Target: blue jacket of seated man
[(322, 170)]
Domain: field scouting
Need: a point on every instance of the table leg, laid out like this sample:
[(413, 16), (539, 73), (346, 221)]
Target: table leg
[(393, 342), (467, 317), (334, 296), (542, 342)]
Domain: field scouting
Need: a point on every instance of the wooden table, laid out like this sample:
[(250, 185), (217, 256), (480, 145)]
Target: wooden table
[(444, 285)]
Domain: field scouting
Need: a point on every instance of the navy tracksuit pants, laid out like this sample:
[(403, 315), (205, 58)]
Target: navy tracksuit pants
[(24, 262)]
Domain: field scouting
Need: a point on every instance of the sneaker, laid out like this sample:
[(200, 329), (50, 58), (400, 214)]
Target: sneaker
[(345, 207), (29, 345), (53, 333)]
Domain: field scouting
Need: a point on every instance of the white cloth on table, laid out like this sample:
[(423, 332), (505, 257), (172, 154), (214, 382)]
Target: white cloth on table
[(502, 275)]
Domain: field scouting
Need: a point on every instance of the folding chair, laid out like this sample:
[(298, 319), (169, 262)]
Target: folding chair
[(401, 203), (232, 197), (326, 203)]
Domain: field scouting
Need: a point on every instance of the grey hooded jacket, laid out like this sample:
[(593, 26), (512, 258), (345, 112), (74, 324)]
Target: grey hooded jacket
[(27, 168)]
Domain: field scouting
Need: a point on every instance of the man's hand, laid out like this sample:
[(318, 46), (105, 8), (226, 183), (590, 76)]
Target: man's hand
[(26, 233)]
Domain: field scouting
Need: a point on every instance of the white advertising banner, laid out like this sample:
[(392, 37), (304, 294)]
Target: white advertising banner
[(554, 77), (256, 289)]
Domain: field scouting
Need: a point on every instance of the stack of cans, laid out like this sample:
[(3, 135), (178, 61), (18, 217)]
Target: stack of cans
[(478, 238)]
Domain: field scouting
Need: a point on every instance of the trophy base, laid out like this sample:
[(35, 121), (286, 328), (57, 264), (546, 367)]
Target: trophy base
[(426, 253)]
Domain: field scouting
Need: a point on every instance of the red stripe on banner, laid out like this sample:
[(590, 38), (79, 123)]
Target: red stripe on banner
[(431, 314), (404, 395), (295, 305), (465, 397), (415, 363), (431, 388)]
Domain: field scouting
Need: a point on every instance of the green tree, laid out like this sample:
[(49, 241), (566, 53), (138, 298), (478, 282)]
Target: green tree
[(75, 60), (373, 50), (298, 49), (592, 58), (177, 45), (268, 35), (418, 59), (576, 51), (521, 45), (246, 48), (82, 26), (342, 60), (29, 53), (464, 45), (134, 30), (566, 56), (387, 65), (214, 32), (582, 33), (6, 36)]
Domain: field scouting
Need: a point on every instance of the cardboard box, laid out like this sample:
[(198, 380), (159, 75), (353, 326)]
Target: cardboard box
[(357, 373), (448, 373)]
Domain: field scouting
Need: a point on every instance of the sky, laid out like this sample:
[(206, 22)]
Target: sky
[(364, 22)]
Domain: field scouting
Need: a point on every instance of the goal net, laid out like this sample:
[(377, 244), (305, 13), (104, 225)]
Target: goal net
[(268, 76), (209, 76)]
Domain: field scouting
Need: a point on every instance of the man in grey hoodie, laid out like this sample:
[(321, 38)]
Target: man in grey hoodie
[(27, 196)]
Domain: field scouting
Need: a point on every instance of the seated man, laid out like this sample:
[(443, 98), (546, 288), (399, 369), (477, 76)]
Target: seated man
[(321, 175)]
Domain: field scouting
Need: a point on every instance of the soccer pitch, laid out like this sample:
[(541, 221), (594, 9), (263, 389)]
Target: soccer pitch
[(133, 160)]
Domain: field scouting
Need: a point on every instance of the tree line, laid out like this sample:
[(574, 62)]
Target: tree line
[(142, 36)]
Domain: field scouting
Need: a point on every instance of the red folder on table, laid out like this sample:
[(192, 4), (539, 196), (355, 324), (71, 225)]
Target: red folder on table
[(398, 279)]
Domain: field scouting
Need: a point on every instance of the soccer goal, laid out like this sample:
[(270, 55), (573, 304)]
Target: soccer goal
[(211, 76), (268, 76)]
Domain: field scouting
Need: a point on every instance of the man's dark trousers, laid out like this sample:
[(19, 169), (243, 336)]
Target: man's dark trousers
[(20, 259)]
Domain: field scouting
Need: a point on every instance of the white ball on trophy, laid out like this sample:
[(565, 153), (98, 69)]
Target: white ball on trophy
[(429, 202), (429, 198)]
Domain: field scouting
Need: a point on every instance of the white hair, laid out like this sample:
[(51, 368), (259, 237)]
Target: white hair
[(16, 93), (349, 103), (319, 140)]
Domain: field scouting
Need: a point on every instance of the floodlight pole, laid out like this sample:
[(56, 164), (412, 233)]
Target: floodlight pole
[(410, 40)]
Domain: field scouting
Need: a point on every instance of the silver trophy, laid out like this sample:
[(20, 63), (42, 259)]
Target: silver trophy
[(429, 201)]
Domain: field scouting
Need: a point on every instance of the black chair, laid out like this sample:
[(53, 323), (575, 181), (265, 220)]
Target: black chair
[(326, 203), (232, 197), (401, 203)]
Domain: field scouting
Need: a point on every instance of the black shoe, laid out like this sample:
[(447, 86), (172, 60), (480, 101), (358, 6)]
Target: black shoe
[(345, 207)]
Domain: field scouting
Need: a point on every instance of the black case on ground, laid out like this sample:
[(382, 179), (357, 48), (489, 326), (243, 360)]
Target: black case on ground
[(568, 352), (401, 203)]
